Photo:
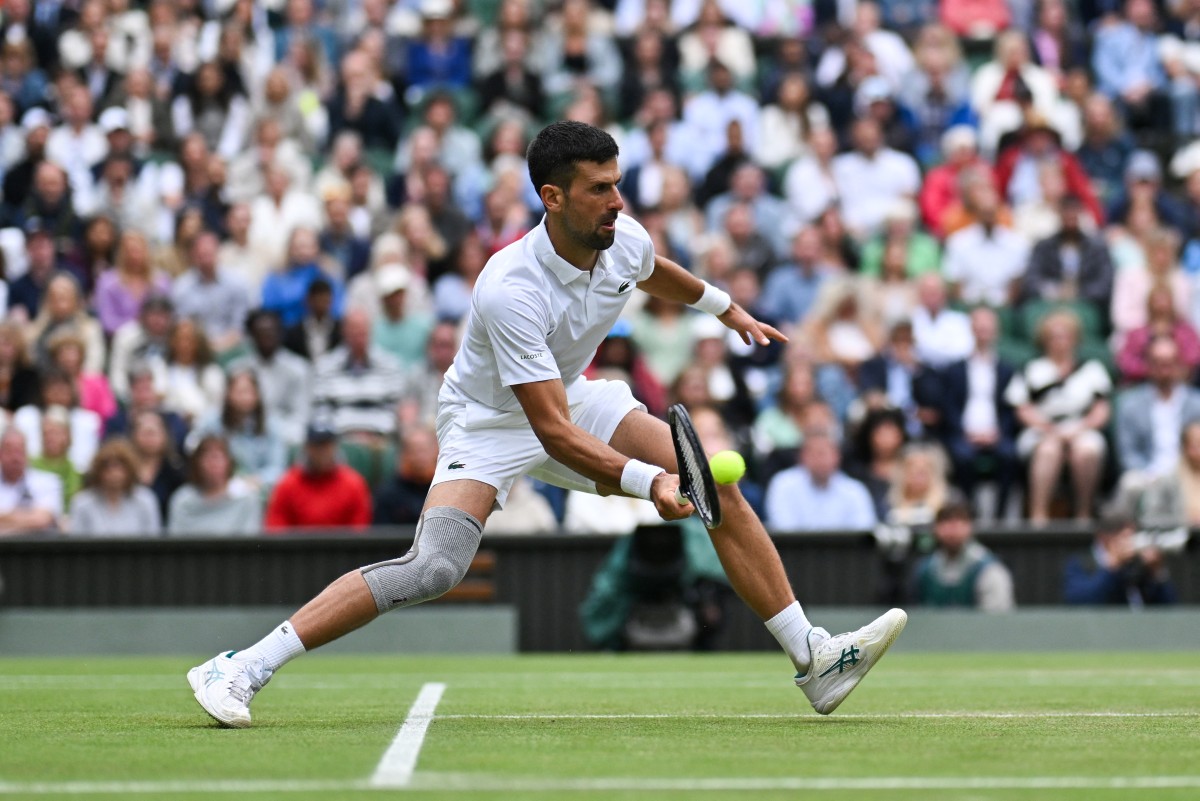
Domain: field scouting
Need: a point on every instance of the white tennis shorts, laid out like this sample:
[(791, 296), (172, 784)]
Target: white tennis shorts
[(477, 442)]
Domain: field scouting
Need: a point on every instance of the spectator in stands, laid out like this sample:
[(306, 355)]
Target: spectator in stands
[(213, 296), (1163, 320), (238, 255), (1038, 143), (871, 177), (1106, 147), (792, 288), (778, 427), (1070, 265), (840, 329), (25, 293), (452, 292), (439, 59), (283, 222), (259, 451), (56, 448), (788, 122), (358, 386), (815, 495), (1129, 70), (319, 331), (20, 77), (143, 340), (18, 180), (319, 492), (898, 379), (194, 383), (961, 572), (283, 377), (86, 426), (30, 500), (918, 487), (400, 500), (98, 251), (144, 395), (18, 381), (709, 113), (344, 249), (286, 292), (1174, 500), (1143, 189), (112, 502), (1062, 402), (942, 335), (512, 85), (726, 385), (748, 186), (979, 426), (874, 455), (1132, 286), (899, 229), (975, 20), (1117, 571), (121, 291), (1150, 419), (213, 503), (1000, 87), (64, 310), (985, 260), (77, 143), (810, 184), (398, 332), (157, 456), (618, 358), (67, 352)]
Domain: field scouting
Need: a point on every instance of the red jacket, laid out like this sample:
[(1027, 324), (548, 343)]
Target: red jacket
[(1076, 179), (335, 500)]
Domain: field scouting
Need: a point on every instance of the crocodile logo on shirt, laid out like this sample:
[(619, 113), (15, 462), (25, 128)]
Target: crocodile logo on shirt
[(623, 287), (456, 466)]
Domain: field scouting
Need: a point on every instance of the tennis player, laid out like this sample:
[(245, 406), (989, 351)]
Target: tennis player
[(515, 403)]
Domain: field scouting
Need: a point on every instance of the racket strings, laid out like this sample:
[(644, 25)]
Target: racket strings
[(696, 479)]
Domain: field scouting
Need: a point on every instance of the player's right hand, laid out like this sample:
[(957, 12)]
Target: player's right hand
[(663, 492)]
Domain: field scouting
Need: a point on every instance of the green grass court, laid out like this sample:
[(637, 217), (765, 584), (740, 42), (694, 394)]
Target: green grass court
[(922, 726)]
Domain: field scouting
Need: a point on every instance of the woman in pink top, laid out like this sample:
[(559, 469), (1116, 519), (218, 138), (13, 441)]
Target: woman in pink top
[(121, 290), (1131, 289), (66, 351), (1163, 320)]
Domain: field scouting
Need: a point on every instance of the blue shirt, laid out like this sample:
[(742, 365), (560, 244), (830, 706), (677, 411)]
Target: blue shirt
[(1125, 57), (795, 503), (285, 292), (789, 292)]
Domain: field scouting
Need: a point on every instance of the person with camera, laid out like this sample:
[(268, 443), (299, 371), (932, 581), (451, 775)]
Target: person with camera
[(1118, 571)]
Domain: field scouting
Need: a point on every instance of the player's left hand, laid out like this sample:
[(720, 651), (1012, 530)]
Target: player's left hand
[(750, 330)]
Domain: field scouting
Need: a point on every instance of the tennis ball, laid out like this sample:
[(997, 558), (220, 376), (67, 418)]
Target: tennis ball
[(728, 467)]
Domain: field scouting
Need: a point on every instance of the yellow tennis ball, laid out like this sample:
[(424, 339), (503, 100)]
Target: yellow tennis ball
[(727, 467)]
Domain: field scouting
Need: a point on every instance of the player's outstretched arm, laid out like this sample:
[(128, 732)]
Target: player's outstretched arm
[(545, 404), (671, 282)]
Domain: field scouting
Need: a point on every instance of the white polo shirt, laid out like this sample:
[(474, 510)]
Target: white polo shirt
[(534, 317)]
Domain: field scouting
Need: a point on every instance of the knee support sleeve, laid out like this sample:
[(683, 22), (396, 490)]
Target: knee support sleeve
[(446, 541)]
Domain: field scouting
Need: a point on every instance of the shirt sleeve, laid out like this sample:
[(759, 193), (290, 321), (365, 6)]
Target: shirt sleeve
[(517, 323), (1017, 392)]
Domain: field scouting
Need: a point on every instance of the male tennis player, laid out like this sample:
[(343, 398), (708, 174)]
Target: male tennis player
[(515, 402)]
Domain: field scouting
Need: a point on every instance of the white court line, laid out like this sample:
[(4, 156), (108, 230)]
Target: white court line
[(465, 783), (396, 767), (803, 715)]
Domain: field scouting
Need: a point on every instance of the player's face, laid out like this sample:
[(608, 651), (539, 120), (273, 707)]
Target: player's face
[(591, 203)]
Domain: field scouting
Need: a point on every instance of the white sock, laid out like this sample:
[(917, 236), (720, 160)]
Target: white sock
[(791, 628), (277, 648)]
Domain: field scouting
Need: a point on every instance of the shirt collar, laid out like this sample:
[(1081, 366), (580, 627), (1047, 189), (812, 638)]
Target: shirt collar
[(543, 249)]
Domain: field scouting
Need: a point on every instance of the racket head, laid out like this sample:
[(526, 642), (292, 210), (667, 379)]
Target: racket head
[(695, 478)]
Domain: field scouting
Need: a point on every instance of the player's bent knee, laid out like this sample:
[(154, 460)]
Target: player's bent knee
[(441, 554)]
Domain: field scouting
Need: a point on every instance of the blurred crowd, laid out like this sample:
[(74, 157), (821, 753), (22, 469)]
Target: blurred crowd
[(239, 239)]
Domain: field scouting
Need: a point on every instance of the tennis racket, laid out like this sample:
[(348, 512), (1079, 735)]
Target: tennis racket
[(695, 478)]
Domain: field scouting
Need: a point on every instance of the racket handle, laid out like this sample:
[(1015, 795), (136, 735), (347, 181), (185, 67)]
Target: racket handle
[(680, 498)]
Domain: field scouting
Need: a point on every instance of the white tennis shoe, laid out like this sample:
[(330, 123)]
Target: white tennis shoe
[(840, 663), (225, 685)]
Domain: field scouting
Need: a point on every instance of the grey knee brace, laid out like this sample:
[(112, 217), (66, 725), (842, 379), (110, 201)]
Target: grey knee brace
[(446, 541)]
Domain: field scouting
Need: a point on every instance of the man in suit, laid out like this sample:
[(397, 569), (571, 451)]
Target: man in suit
[(1150, 420), (898, 379), (980, 428), (318, 332)]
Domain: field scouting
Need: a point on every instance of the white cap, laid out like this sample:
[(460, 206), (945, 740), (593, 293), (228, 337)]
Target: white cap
[(872, 90), (437, 9), (36, 117), (392, 278), (959, 136), (114, 119)]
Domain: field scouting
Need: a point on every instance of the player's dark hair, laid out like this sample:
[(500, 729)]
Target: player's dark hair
[(555, 151)]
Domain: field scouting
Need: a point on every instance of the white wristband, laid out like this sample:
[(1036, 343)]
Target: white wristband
[(714, 301), (637, 477)]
